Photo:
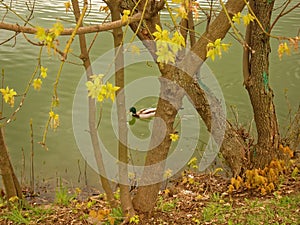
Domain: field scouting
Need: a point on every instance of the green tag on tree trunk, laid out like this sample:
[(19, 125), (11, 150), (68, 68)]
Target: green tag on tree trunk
[(266, 81)]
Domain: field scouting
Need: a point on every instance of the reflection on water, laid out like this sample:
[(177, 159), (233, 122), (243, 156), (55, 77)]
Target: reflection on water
[(19, 58)]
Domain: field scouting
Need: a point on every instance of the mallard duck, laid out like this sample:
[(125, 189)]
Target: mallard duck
[(143, 113)]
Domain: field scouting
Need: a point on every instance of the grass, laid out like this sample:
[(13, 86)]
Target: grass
[(62, 196), (26, 215), (278, 210), (188, 204)]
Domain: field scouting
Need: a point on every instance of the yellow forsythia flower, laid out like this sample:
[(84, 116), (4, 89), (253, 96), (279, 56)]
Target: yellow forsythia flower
[(126, 13), (283, 48), (237, 17), (56, 29), (215, 48), (40, 33), (248, 18), (54, 120), (67, 6), (174, 137), (43, 72), (8, 95), (111, 90), (96, 89), (37, 84), (181, 12)]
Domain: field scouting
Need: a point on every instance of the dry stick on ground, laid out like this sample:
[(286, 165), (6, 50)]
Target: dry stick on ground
[(92, 112)]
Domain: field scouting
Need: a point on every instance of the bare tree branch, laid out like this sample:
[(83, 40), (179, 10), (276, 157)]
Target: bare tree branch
[(69, 31)]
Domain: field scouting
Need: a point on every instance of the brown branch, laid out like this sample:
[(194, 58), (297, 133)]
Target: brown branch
[(283, 13), (69, 31), (293, 134), (125, 198), (246, 56), (92, 110)]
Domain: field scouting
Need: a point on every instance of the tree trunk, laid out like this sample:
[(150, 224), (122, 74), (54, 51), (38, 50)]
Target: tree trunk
[(257, 85), (10, 181), (146, 195), (170, 101), (92, 112), (125, 197)]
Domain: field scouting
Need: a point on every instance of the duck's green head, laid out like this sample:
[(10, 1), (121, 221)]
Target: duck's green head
[(132, 110)]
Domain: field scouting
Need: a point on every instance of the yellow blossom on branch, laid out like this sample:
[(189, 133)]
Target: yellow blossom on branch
[(126, 13), (177, 42), (67, 6), (237, 18), (111, 90), (215, 48), (164, 55), (193, 163), (181, 12), (100, 91), (43, 72), (248, 18), (54, 120), (48, 38), (94, 86), (174, 137), (40, 33), (167, 47), (160, 34), (56, 29), (8, 95), (37, 84), (283, 48)]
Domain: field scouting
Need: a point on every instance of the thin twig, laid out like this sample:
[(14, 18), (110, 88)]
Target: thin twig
[(27, 88), (282, 13), (31, 158)]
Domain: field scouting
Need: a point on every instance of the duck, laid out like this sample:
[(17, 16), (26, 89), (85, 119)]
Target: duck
[(145, 113)]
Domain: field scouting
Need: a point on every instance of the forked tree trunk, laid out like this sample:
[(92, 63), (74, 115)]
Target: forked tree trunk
[(146, 196), (257, 84), (10, 181)]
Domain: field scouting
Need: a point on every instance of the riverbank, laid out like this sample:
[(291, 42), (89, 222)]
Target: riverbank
[(193, 198)]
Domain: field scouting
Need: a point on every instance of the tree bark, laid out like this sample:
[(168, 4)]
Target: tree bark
[(125, 197), (170, 101), (146, 196), (10, 181), (92, 112), (258, 87)]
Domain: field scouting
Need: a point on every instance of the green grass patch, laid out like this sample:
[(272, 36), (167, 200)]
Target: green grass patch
[(279, 210)]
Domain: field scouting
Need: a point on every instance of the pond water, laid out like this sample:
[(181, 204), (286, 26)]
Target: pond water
[(63, 159)]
